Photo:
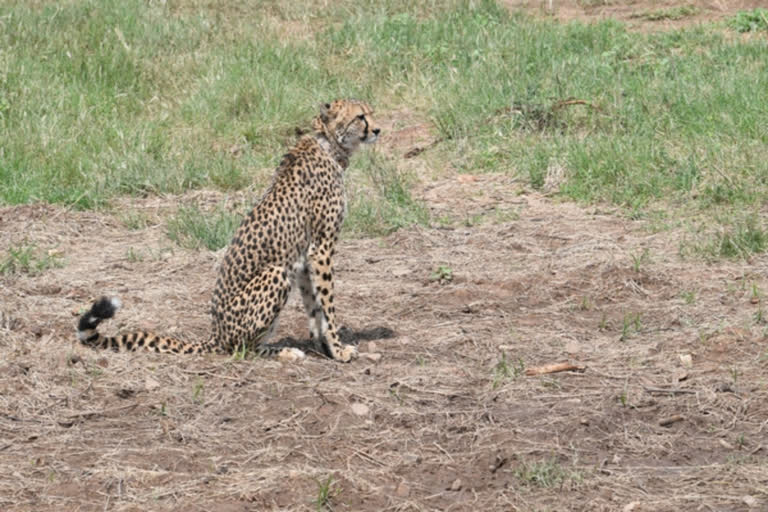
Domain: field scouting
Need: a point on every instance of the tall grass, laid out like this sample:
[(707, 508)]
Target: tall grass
[(101, 98)]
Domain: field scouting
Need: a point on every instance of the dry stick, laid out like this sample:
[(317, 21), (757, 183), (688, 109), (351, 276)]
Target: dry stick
[(670, 391), (368, 458), (572, 101), (554, 368), (103, 412), (417, 150), (669, 421)]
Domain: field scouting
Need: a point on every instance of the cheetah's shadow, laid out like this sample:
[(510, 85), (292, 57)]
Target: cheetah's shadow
[(347, 336)]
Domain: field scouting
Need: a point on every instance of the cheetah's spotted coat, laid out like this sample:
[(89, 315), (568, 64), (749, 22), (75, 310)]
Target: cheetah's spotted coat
[(288, 238)]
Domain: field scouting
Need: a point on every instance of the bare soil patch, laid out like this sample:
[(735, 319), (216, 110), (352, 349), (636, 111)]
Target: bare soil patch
[(670, 413), (639, 14)]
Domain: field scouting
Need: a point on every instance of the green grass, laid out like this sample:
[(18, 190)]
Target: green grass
[(380, 199), (195, 229), (670, 13), (327, 491), (750, 21), (28, 259), (100, 99), (546, 474), (506, 370)]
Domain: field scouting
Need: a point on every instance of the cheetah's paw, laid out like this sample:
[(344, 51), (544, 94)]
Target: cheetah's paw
[(347, 353)]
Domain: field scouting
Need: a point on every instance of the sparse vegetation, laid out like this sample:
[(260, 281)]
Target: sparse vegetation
[(135, 220), (547, 473), (750, 21), (327, 490), (381, 200), (741, 239), (442, 274), (134, 255), (29, 259), (506, 370), (671, 13), (640, 260), (197, 392), (630, 324), (193, 228), (689, 296)]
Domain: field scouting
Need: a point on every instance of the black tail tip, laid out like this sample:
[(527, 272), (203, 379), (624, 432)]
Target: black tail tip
[(105, 308)]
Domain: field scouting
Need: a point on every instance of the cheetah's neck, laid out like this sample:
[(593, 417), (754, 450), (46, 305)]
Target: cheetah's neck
[(333, 148)]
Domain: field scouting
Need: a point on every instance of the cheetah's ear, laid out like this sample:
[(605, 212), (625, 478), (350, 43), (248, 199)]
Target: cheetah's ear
[(321, 121), (317, 124), (325, 110)]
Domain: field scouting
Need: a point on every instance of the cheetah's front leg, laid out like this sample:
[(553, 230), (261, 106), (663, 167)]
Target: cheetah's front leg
[(321, 288)]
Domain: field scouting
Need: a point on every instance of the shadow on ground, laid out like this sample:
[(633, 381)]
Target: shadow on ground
[(347, 336)]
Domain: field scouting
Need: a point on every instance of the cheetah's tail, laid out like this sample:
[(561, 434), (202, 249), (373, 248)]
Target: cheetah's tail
[(104, 309)]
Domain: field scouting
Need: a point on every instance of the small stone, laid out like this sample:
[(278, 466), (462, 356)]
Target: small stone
[(400, 271), (749, 501), (151, 384), (367, 347), (456, 485), (402, 490), (360, 409), (725, 444), (686, 360), (103, 362), (372, 357), (572, 347), (411, 458)]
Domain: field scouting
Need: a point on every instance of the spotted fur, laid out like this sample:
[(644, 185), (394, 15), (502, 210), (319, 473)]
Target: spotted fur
[(289, 238)]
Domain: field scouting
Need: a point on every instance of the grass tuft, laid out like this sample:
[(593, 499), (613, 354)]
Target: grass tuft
[(327, 490), (193, 228), (743, 240), (380, 199), (28, 259), (750, 21), (506, 370), (546, 474), (671, 13)]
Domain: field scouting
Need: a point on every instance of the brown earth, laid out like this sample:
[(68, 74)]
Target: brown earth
[(449, 421), (670, 413), (638, 14)]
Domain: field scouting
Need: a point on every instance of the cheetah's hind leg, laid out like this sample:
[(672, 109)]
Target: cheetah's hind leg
[(256, 311)]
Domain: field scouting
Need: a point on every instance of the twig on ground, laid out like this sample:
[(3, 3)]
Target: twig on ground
[(670, 391), (554, 368), (573, 101), (102, 412), (669, 421)]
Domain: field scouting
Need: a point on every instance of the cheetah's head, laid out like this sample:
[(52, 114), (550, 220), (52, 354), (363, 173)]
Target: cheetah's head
[(348, 123)]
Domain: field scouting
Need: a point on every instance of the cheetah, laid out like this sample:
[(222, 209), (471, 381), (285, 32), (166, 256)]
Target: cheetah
[(288, 238)]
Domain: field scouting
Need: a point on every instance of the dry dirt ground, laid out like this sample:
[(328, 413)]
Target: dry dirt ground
[(670, 412), (644, 15)]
